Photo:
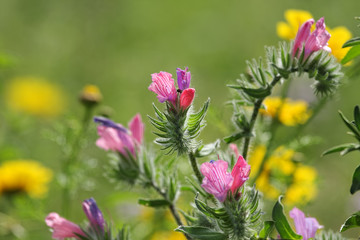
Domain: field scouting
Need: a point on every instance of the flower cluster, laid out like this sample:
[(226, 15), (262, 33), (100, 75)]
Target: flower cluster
[(296, 18), (289, 112), (217, 181), (63, 228), (24, 176), (115, 137), (163, 85)]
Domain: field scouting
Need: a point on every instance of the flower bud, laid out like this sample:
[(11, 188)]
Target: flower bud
[(90, 95), (187, 97), (94, 214)]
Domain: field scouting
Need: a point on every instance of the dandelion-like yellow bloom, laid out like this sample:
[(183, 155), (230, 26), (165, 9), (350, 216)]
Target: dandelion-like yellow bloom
[(90, 95), (34, 96), (289, 112), (295, 18), (168, 236), (25, 176), (281, 175)]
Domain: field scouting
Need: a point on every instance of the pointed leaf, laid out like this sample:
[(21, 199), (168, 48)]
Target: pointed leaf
[(349, 124), (351, 54), (281, 223), (236, 136), (352, 42), (357, 117), (355, 186), (340, 148), (268, 227), (352, 221), (154, 202), (257, 92), (201, 233)]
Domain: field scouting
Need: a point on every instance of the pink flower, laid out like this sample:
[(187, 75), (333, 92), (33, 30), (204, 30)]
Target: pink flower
[(187, 97), (313, 41), (62, 228), (183, 78), (240, 173), (306, 227), (217, 180), (115, 137), (163, 85)]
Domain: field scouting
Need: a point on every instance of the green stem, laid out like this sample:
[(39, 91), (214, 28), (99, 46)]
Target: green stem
[(254, 115), (195, 167)]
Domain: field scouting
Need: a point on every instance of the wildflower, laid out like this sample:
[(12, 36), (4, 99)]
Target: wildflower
[(312, 41), (24, 176), (94, 214), (115, 137), (295, 18), (218, 181), (183, 78), (187, 97), (63, 228), (305, 226), (34, 96), (90, 95), (289, 112), (163, 85)]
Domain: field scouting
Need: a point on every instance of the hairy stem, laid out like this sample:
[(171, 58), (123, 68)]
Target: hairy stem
[(195, 167)]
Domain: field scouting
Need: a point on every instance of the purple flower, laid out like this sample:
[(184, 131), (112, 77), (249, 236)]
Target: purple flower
[(94, 214), (217, 180), (240, 173), (163, 85), (115, 137), (306, 227), (62, 228), (312, 41), (183, 78)]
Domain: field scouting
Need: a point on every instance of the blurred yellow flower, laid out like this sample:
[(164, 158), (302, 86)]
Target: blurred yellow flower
[(168, 236), (281, 175), (34, 96), (25, 176), (90, 95), (295, 18), (289, 112)]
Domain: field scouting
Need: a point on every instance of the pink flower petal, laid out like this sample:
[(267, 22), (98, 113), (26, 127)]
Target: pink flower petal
[(62, 228)]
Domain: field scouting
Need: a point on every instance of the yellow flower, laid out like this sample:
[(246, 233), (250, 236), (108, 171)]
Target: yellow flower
[(90, 95), (34, 96), (289, 112), (24, 176), (168, 236), (295, 18)]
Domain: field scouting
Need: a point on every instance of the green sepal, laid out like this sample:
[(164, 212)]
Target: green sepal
[(267, 229), (351, 54), (206, 150), (155, 203), (201, 233), (355, 186), (352, 42), (351, 222), (281, 223)]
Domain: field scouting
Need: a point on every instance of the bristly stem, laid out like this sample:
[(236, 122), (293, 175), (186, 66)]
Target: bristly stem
[(195, 167), (254, 115)]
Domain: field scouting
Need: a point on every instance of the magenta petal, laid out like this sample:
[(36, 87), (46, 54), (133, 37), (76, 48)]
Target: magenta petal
[(136, 127), (109, 139), (240, 173), (217, 181), (62, 228), (163, 85), (306, 227), (301, 36), (187, 97)]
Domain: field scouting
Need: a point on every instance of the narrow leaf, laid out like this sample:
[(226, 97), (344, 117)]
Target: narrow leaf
[(281, 223), (268, 227), (257, 92), (355, 186), (154, 202), (349, 124), (202, 233), (339, 148), (352, 42), (351, 54), (357, 117), (352, 221), (236, 136)]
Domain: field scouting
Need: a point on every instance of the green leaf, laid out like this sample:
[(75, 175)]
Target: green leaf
[(257, 92), (268, 227), (357, 117), (281, 223), (154, 202), (352, 42), (205, 150), (341, 148), (351, 54), (352, 221), (202, 233), (236, 136), (355, 186), (349, 124)]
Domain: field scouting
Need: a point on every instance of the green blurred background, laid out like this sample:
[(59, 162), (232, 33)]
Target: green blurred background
[(116, 45)]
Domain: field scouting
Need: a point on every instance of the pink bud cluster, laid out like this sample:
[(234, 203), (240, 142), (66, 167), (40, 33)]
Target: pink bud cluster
[(164, 86), (115, 137), (311, 42), (217, 181)]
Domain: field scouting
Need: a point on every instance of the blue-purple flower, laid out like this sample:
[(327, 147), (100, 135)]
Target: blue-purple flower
[(183, 78)]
